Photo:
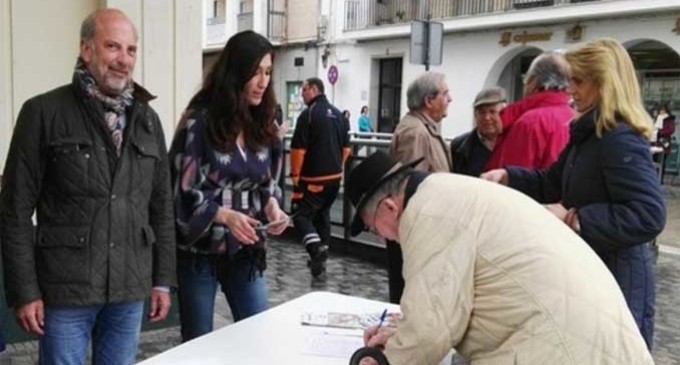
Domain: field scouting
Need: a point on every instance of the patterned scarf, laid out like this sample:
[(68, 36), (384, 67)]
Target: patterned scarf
[(114, 107)]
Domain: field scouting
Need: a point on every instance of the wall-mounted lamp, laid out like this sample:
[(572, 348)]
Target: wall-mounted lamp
[(575, 33), (324, 56)]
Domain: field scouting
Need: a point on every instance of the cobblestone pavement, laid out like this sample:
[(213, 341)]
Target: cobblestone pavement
[(671, 234), (288, 277)]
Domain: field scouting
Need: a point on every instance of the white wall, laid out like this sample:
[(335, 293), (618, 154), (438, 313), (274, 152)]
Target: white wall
[(6, 82), (472, 61), (39, 46), (297, 30), (285, 69), (188, 55), (171, 44), (39, 50)]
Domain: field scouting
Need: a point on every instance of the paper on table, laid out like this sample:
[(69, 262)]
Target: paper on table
[(203, 361), (332, 344), (349, 320)]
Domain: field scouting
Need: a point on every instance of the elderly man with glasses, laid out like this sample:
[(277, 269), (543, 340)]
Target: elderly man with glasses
[(471, 151), (489, 272)]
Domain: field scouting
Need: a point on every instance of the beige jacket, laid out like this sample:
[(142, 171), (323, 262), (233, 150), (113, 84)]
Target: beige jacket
[(417, 136), (491, 273)]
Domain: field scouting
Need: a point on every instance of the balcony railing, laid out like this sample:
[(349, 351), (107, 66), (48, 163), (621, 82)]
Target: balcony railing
[(360, 14), (245, 21), (215, 31), (277, 26)]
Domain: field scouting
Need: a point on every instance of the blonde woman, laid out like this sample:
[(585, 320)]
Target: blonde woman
[(604, 185)]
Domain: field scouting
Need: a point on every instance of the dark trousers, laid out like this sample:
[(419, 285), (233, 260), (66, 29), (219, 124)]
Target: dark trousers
[(633, 270), (394, 277), (312, 205)]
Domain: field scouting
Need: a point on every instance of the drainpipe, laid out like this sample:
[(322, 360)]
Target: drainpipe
[(284, 38), (318, 39), (268, 18)]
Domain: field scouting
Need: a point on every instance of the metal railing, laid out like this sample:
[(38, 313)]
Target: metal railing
[(363, 144), (245, 21), (216, 32), (360, 14), (277, 26), (214, 21)]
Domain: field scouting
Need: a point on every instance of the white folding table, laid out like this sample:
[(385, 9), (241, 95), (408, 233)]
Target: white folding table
[(275, 336)]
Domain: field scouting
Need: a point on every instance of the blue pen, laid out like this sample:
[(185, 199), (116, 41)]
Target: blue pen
[(382, 318)]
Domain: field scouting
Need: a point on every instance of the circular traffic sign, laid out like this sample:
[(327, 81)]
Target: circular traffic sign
[(332, 74)]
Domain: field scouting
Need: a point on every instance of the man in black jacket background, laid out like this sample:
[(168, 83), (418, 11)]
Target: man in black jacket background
[(89, 159), (470, 151), (318, 151)]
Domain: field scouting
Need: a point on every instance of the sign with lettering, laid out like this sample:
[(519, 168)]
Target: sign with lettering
[(525, 37)]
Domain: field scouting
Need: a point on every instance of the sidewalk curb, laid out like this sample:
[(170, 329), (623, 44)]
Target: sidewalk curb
[(671, 250)]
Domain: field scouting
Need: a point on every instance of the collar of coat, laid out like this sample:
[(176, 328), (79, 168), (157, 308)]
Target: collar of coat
[(139, 93), (430, 124), (583, 127)]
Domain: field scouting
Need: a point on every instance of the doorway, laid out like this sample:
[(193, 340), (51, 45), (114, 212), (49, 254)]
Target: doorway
[(389, 94), (512, 77), (294, 104)]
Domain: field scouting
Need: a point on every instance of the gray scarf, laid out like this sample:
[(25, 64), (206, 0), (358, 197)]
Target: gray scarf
[(114, 107)]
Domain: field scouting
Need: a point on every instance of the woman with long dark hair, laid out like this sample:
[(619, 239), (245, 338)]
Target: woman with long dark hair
[(224, 196)]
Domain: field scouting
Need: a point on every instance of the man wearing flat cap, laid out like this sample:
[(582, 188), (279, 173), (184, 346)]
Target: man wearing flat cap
[(471, 151), (489, 272)]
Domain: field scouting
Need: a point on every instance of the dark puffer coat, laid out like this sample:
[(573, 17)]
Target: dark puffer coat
[(612, 183), (105, 230)]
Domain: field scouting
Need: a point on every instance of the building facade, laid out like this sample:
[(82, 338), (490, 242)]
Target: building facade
[(39, 44), (494, 45), (485, 43)]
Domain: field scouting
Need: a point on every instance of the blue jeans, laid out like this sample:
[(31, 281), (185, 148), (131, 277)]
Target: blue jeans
[(198, 279), (113, 328)]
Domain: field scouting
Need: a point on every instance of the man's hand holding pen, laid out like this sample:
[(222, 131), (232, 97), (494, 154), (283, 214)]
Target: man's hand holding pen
[(377, 336)]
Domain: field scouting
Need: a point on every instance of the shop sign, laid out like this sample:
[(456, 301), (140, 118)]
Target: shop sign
[(525, 37), (575, 33)]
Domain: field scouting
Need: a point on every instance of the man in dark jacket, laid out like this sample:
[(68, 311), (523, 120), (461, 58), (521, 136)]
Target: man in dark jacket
[(471, 151), (318, 152), (89, 159)]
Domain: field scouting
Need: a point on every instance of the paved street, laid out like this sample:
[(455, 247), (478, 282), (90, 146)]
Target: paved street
[(671, 234), (288, 278)]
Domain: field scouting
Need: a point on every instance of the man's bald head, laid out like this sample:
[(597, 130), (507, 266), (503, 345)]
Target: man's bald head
[(108, 48), (88, 28)]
